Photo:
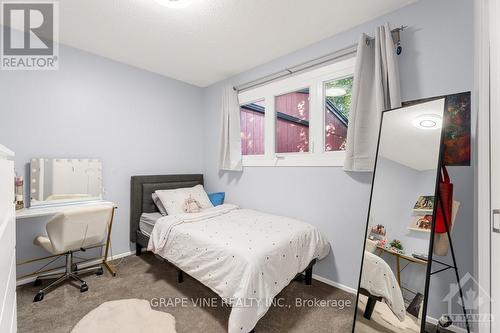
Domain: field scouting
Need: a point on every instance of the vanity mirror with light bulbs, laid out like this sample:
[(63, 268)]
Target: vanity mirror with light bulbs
[(56, 181)]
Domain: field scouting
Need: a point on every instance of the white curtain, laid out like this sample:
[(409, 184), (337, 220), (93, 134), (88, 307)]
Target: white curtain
[(375, 89), (230, 153)]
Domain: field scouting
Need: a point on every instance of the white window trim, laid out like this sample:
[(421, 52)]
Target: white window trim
[(314, 80)]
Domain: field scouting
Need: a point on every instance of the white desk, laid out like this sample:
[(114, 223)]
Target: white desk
[(27, 213)]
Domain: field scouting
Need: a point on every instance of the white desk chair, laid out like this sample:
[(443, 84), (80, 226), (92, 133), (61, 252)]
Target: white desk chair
[(72, 231)]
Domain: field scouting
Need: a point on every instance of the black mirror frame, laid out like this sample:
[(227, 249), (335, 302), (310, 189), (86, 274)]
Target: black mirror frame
[(431, 241)]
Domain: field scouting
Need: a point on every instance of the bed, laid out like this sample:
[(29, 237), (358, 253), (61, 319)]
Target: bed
[(379, 284), (246, 257)]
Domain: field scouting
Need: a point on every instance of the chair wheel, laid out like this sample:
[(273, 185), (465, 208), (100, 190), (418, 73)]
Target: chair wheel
[(100, 271), (37, 283), (84, 288), (38, 297)]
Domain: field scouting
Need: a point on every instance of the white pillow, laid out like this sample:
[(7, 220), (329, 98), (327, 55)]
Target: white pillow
[(180, 200), (158, 204)]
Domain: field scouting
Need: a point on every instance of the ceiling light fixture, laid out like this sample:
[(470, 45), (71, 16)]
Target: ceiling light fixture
[(174, 3), (335, 92), (428, 122)]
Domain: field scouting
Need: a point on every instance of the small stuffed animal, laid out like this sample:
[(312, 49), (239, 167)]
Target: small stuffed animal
[(191, 205)]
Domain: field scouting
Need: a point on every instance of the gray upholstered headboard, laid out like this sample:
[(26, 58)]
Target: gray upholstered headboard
[(141, 188)]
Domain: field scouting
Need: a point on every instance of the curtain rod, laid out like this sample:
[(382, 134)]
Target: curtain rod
[(352, 49)]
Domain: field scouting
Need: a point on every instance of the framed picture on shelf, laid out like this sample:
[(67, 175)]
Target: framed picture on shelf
[(422, 223), (425, 203)]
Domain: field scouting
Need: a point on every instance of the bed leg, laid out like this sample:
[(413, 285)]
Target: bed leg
[(309, 276), (370, 305), (180, 276), (308, 273), (138, 249)]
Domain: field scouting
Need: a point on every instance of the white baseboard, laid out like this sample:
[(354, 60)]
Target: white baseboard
[(335, 284), (87, 264)]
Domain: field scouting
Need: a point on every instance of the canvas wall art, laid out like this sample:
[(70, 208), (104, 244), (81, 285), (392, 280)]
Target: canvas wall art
[(457, 133)]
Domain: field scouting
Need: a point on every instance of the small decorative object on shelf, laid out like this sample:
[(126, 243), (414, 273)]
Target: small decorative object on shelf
[(422, 223), (424, 205), (19, 181), (382, 242), (396, 246), (377, 232)]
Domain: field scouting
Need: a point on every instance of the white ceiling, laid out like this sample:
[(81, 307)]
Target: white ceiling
[(209, 40), (406, 144)]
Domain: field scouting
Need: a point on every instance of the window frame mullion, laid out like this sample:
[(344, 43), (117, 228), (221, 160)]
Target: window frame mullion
[(314, 80)]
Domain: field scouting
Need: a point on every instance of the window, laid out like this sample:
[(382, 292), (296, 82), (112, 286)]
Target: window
[(252, 128), (301, 120), (337, 95), (292, 122)]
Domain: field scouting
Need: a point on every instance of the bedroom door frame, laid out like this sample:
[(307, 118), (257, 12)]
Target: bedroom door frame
[(482, 18)]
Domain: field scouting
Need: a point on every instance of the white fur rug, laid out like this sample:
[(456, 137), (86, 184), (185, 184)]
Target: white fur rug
[(124, 316)]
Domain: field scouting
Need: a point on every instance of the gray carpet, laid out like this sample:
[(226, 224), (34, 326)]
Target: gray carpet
[(146, 277)]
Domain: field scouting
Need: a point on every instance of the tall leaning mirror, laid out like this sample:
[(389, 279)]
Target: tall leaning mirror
[(393, 285)]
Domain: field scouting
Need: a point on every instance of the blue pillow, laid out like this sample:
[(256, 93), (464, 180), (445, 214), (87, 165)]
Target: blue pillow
[(217, 198)]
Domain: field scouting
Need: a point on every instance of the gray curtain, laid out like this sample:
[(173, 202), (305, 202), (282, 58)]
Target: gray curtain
[(375, 89), (230, 152)]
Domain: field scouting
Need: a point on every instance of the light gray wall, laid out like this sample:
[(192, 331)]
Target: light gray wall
[(397, 188), (437, 59), (136, 122)]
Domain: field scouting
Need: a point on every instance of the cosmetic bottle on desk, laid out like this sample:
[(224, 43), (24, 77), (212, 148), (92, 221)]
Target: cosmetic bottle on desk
[(19, 181)]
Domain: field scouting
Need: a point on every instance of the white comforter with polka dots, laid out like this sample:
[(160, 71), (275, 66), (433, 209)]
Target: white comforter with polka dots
[(380, 281), (245, 256)]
